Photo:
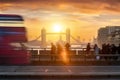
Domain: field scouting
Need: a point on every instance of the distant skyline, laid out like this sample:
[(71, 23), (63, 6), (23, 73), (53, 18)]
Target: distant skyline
[(83, 17)]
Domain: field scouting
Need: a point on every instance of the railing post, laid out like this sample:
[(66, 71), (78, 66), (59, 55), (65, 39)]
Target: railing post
[(84, 53), (76, 52), (38, 54)]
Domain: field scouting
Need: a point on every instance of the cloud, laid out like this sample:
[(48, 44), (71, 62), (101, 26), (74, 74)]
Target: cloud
[(84, 14), (100, 11), (85, 6)]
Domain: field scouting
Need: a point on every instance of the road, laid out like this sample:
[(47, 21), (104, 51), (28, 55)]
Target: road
[(60, 72)]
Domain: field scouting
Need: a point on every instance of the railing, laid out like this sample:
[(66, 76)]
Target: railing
[(74, 55)]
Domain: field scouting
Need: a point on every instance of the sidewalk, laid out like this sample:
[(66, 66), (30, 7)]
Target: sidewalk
[(59, 70)]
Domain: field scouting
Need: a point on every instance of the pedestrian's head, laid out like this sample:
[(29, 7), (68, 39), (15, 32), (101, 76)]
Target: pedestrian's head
[(51, 43), (88, 43), (95, 44), (113, 44)]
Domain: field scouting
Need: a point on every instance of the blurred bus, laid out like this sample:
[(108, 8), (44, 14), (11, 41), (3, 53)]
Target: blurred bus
[(12, 39)]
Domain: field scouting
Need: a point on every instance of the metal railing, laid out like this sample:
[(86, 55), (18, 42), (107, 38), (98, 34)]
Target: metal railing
[(74, 55)]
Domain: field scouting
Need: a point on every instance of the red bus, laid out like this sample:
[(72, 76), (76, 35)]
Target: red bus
[(12, 39)]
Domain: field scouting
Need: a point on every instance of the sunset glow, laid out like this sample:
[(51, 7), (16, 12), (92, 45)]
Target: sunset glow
[(57, 27), (64, 56), (83, 17)]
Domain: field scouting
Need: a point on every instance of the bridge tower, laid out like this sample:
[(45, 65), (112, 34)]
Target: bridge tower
[(44, 33), (68, 35), (43, 37)]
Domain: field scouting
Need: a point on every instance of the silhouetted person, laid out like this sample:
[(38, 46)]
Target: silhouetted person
[(114, 51), (88, 48), (96, 51), (118, 49), (67, 48), (59, 50), (53, 52), (108, 51), (103, 51)]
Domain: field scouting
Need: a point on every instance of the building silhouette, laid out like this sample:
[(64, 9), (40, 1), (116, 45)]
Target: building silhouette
[(105, 35)]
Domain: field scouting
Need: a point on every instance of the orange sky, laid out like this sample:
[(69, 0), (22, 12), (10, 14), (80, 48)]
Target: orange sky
[(83, 17)]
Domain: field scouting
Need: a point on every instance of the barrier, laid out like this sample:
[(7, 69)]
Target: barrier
[(74, 55)]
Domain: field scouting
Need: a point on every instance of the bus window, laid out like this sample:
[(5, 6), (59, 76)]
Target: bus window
[(13, 34), (11, 20)]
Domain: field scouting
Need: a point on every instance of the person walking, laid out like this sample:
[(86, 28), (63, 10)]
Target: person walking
[(114, 52), (118, 49), (67, 48), (88, 48), (96, 51), (87, 51), (53, 52), (59, 51)]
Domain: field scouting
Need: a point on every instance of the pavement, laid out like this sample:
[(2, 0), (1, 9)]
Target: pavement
[(59, 70)]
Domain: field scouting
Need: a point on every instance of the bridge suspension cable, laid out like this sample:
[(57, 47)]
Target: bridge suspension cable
[(75, 39), (36, 38)]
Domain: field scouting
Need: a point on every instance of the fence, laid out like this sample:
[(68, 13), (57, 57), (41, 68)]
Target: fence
[(74, 55)]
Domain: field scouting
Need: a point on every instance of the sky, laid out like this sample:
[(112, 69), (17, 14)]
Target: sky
[(83, 17)]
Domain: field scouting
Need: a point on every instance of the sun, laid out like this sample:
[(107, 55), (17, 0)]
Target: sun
[(57, 27)]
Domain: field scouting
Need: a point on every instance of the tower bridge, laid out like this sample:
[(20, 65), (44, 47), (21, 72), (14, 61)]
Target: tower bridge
[(44, 33), (67, 34)]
